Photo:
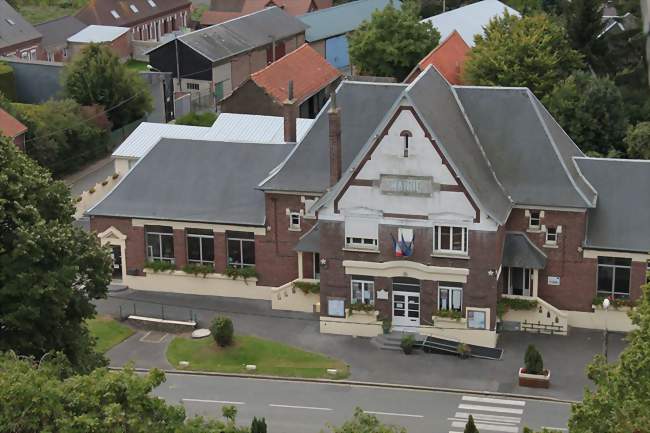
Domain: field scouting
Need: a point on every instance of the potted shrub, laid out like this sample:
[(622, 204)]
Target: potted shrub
[(407, 344), (534, 374), (464, 351), (386, 325)]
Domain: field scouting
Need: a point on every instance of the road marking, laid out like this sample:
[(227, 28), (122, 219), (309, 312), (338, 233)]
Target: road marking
[(491, 408), (145, 337), (198, 400), (490, 427), (494, 400), (299, 407), (554, 428), (510, 419), (393, 414)]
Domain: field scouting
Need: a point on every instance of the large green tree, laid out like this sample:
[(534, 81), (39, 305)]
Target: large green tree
[(362, 422), (591, 111), (50, 271), (532, 52), (44, 398), (619, 403), (392, 42), (97, 77), (637, 141), (584, 24)]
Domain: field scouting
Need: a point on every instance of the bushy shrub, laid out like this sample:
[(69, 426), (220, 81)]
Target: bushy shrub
[(258, 425), (470, 427), (407, 344), (222, 331), (533, 361), (197, 119)]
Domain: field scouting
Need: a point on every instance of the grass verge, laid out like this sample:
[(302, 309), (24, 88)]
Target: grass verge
[(108, 332), (270, 357)]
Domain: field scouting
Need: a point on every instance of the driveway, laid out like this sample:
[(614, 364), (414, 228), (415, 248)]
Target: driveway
[(566, 357)]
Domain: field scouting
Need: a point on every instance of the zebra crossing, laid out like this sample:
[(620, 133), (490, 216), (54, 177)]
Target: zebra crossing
[(490, 414)]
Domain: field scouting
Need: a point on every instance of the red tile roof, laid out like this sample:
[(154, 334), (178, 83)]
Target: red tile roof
[(10, 126), (237, 8), (309, 71), (448, 58)]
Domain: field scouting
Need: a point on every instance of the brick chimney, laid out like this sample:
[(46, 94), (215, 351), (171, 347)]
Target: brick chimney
[(334, 115), (289, 113)]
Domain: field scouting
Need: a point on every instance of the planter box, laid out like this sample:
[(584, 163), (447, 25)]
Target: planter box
[(534, 380)]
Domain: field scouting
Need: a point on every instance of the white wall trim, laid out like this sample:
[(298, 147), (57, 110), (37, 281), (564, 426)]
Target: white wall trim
[(406, 269)]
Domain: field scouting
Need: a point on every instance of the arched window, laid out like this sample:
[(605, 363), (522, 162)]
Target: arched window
[(407, 135)]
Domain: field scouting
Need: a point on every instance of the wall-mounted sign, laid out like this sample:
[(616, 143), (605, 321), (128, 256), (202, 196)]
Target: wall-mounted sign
[(406, 185), (553, 281), (382, 294), (475, 319)]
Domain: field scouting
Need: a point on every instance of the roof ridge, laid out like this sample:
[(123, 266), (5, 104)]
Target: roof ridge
[(355, 2), (305, 44), (195, 32)]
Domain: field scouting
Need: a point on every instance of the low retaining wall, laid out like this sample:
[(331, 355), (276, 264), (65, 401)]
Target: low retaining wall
[(290, 298), (615, 319), (357, 325), (153, 324), (88, 199), (543, 319), (212, 285), (456, 330)]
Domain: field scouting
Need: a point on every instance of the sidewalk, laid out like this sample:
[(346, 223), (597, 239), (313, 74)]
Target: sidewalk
[(566, 357)]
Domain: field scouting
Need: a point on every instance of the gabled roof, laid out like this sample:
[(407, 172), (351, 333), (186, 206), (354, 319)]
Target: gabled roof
[(448, 58), (222, 41), (253, 128), (123, 13), (363, 106), (146, 135), (520, 252), (195, 180), (227, 10), (308, 70), (469, 20), (97, 34), (620, 221), (10, 126), (57, 31), (529, 152), (341, 19), (14, 29)]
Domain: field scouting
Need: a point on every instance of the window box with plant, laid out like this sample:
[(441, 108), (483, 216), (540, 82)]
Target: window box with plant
[(448, 314), (160, 266), (244, 272), (307, 287), (534, 375), (358, 308), (506, 304), (619, 303), (198, 269)]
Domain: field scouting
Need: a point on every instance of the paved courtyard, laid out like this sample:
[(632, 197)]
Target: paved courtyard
[(566, 357)]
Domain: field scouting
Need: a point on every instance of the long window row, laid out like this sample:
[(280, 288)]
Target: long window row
[(446, 239), (240, 246)]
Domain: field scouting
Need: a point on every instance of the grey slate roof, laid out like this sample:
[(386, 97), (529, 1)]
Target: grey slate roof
[(529, 152), (621, 219), (363, 106), (202, 181), (341, 19), (18, 32), (310, 241), (57, 31), (242, 34), (520, 252)]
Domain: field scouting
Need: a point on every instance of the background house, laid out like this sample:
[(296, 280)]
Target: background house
[(118, 39), (12, 128), (148, 19), (55, 37), (215, 60), (18, 38), (224, 10), (266, 92), (328, 28), (448, 58)]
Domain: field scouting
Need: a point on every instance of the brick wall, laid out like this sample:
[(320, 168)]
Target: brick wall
[(135, 255), (249, 98)]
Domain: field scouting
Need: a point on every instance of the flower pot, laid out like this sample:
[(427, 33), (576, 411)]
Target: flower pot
[(534, 380)]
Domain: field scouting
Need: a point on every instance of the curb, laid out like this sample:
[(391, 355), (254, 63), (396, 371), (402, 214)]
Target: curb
[(357, 383)]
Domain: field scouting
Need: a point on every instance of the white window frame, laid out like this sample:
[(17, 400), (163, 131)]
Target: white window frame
[(361, 243), (200, 237), (240, 263), (295, 226), (551, 238), (160, 258), (366, 286), (538, 218), (613, 267), (527, 283), (449, 289), (437, 233)]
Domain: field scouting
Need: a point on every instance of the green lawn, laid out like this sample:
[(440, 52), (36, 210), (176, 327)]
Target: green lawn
[(137, 65), (271, 358), (37, 14), (108, 332)]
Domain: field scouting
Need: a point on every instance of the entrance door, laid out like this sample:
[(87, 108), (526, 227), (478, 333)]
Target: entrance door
[(406, 311), (116, 255)]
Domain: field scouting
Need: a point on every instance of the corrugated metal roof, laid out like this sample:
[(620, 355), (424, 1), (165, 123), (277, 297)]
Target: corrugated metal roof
[(146, 135), (96, 34), (342, 19), (251, 128), (469, 20)]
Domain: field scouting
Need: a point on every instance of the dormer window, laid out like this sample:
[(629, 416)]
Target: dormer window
[(406, 135), (134, 9), (115, 14)]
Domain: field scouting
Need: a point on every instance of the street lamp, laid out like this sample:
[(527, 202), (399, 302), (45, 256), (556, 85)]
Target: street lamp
[(606, 304), (151, 68)]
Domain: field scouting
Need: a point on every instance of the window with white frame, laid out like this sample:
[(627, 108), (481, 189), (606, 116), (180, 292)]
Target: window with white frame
[(192, 86), (200, 246), (614, 276), (294, 221), (241, 249), (535, 219), (517, 281), (551, 235), (450, 239), (160, 243), (363, 291), (450, 296), (361, 232)]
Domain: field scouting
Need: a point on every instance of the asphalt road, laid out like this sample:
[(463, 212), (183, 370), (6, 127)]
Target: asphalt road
[(301, 407)]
